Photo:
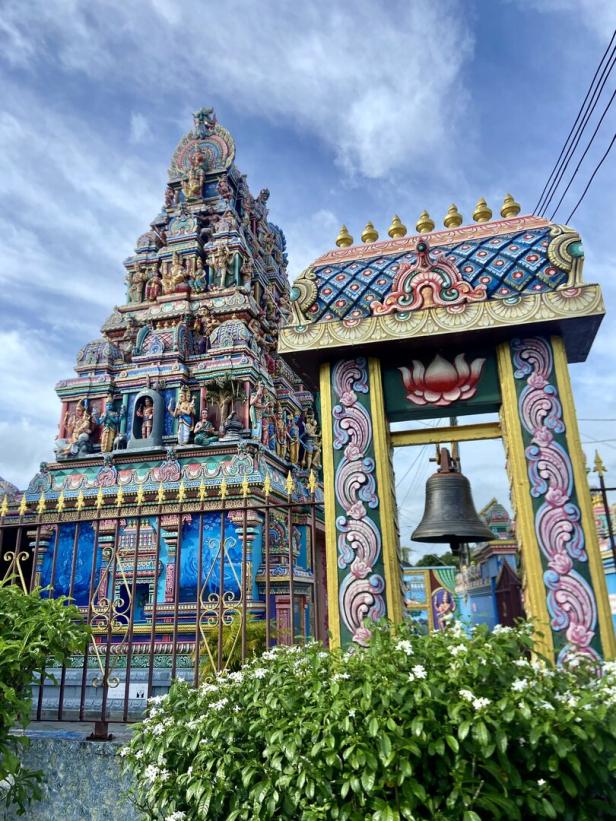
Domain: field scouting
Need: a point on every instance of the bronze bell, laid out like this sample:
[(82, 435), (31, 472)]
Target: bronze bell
[(450, 515)]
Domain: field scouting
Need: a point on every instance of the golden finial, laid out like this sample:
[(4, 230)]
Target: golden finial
[(312, 482), (397, 228), (40, 508), (4, 509), (344, 239), (599, 466), (453, 218), (267, 485), (482, 213), (81, 502), (160, 495), (100, 499), (289, 484), (223, 489), (202, 490), (60, 503), (244, 486), (369, 234), (119, 498), (181, 491), (23, 507), (509, 208), (425, 223), (139, 498)]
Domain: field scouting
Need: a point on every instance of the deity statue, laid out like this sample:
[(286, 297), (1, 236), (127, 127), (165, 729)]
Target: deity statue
[(308, 440), (175, 276), (205, 433), (246, 271), (281, 435), (184, 412), (257, 405), (204, 121), (294, 441), (224, 189), (153, 288), (146, 414), (226, 222), (136, 281), (192, 186), (169, 197), (220, 260), (199, 278), (78, 430), (109, 420)]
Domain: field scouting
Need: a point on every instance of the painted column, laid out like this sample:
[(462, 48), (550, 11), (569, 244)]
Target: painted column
[(363, 578), (564, 587)]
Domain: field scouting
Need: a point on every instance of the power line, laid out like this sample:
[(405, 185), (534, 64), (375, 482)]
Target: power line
[(598, 166), (580, 129), (579, 114), (577, 167)]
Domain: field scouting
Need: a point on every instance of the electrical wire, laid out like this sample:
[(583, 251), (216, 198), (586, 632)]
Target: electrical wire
[(540, 202), (577, 167), (588, 184)]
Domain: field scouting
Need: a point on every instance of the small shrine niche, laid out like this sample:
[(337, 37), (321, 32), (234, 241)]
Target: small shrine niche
[(147, 421)]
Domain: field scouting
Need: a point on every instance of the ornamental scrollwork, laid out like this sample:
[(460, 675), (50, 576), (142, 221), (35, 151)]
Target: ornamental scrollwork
[(565, 252)]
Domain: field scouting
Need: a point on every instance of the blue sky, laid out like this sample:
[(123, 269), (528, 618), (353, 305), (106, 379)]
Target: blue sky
[(346, 111)]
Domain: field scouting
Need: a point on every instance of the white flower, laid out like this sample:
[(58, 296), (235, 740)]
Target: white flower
[(521, 662), (406, 647), (521, 741), (209, 688), (352, 713), (519, 684), (541, 782), (139, 754), (157, 699), (457, 649), (419, 671), (499, 628), (151, 772), (269, 655), (189, 770), (237, 676), (218, 705), (178, 815), (259, 672), (237, 709), (159, 729), (457, 629), (480, 703), (467, 695), (546, 705), (322, 655), (124, 751), (338, 676)]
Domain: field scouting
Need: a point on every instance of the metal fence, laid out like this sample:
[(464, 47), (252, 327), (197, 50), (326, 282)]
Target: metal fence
[(242, 570)]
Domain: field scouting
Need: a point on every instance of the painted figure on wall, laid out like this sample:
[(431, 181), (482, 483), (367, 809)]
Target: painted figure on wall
[(199, 278), (78, 430), (136, 282), (309, 441), (192, 186), (154, 286), (281, 435), (443, 605), (184, 412), (257, 406), (293, 439)]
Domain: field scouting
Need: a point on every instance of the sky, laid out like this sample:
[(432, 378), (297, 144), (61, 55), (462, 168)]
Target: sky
[(347, 112)]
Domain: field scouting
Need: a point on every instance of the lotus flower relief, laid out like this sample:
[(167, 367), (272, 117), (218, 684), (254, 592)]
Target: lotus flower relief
[(442, 382)]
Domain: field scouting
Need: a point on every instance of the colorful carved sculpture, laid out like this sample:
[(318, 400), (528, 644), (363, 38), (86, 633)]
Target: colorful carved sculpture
[(184, 412)]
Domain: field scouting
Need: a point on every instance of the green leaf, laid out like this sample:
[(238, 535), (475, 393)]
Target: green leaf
[(463, 729), (373, 726), (367, 780), (452, 742), (470, 815)]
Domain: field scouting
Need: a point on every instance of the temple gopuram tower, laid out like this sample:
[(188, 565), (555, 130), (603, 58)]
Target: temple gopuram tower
[(181, 407)]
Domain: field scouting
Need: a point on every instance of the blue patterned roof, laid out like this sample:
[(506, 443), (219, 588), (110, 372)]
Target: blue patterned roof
[(506, 264)]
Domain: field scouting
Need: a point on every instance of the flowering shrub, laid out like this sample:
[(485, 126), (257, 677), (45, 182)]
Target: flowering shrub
[(443, 726), (32, 629)]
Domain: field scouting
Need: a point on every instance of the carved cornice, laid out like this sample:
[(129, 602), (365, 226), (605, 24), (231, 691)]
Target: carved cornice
[(549, 306)]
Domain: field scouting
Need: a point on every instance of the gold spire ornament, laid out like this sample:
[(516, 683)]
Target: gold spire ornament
[(453, 218), (181, 491), (509, 208), (267, 485), (119, 498), (40, 508), (244, 486), (4, 509), (202, 491), (425, 223), (81, 502), (369, 234), (60, 503), (397, 228), (344, 239), (599, 466), (482, 212), (160, 495), (289, 484), (100, 499), (140, 496), (312, 482), (223, 489), (23, 506)]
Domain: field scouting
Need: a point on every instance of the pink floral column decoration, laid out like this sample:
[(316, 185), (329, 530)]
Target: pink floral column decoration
[(570, 599), (442, 382)]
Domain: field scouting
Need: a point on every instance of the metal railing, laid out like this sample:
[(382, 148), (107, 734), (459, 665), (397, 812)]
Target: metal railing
[(169, 588)]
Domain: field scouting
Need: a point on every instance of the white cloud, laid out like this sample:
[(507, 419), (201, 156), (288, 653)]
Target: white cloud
[(599, 16), (140, 130), (379, 84)]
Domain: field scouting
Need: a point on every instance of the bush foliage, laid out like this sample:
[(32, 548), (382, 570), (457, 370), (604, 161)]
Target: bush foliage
[(32, 630), (443, 726)]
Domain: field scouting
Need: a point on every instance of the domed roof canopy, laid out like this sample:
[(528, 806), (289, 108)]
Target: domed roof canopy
[(8, 489), (98, 352)]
